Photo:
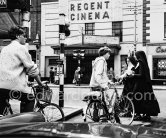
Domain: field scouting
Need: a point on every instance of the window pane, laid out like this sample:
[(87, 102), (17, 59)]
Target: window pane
[(89, 28), (159, 68), (117, 29)]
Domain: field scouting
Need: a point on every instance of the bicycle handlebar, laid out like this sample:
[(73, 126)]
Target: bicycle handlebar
[(114, 84), (32, 84)]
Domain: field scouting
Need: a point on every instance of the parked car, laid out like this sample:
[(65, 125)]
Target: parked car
[(30, 125)]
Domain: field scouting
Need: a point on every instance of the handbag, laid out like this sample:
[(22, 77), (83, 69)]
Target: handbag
[(74, 81)]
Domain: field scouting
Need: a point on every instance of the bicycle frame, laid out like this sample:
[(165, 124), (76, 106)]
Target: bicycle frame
[(115, 92), (38, 104), (7, 109), (102, 101), (120, 108)]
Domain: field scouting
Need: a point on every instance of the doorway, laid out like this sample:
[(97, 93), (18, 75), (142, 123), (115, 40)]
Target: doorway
[(86, 67)]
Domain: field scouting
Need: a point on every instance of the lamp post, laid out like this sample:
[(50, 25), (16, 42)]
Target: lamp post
[(38, 51), (135, 27)]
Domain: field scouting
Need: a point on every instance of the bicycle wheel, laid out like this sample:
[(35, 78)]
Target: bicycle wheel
[(95, 112), (124, 109), (52, 112)]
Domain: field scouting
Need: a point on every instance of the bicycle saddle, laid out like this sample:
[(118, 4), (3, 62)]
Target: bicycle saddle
[(94, 95)]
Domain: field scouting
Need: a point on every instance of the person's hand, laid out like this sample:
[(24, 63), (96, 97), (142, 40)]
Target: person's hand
[(106, 88), (110, 82), (130, 76)]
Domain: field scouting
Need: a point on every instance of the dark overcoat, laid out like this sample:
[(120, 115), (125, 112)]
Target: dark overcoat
[(144, 99)]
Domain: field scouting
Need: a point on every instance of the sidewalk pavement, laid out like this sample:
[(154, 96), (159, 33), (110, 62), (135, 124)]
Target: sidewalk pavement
[(72, 111), (155, 87)]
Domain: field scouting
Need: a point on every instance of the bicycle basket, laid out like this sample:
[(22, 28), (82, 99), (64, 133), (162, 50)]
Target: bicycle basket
[(44, 94)]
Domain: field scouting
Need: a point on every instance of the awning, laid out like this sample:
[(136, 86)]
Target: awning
[(7, 20), (90, 48), (91, 42)]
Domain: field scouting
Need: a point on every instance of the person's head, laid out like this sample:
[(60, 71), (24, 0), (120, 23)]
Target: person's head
[(17, 33), (111, 69), (105, 52), (78, 68), (132, 60), (140, 55)]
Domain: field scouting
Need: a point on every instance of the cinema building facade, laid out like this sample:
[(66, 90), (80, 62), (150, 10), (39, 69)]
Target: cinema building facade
[(96, 23), (93, 24)]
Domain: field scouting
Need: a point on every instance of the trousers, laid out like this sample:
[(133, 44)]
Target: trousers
[(27, 100)]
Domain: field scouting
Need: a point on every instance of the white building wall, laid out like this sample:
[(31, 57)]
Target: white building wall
[(117, 12), (49, 33), (157, 9)]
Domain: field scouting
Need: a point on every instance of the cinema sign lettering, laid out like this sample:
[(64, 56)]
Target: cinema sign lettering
[(3, 3), (91, 10)]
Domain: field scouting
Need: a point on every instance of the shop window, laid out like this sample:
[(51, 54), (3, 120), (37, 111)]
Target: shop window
[(165, 25), (123, 63), (90, 28), (117, 30), (52, 62), (159, 68)]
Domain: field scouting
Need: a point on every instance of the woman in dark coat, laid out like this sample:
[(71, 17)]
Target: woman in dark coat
[(144, 99), (127, 80)]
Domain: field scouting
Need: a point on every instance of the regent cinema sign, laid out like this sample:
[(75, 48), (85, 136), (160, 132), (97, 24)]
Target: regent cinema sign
[(91, 10), (3, 3)]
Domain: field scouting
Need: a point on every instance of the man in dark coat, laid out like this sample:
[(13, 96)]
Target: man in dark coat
[(51, 75)]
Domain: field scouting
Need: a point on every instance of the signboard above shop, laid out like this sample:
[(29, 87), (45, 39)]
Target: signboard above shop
[(101, 39), (95, 39), (95, 10)]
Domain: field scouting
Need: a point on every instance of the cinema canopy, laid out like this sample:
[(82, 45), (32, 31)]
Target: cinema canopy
[(94, 10)]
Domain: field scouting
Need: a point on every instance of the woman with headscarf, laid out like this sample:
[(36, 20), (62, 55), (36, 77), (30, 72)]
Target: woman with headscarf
[(127, 80), (144, 99)]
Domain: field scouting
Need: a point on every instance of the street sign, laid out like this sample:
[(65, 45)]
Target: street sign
[(3, 4), (60, 69), (60, 62)]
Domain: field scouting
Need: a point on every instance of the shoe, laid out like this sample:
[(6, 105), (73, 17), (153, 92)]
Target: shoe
[(103, 119), (137, 118), (146, 118)]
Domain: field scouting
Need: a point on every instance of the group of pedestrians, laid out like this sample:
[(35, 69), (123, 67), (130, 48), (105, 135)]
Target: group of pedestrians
[(136, 79), (16, 63), (138, 87)]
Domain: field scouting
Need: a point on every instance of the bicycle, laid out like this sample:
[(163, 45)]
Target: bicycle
[(43, 95), (97, 111)]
